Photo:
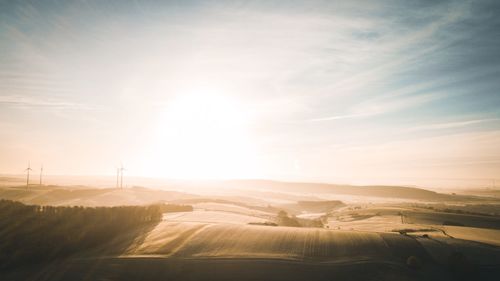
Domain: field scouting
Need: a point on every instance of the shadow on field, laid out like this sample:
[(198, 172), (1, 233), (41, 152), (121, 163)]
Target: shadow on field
[(33, 235)]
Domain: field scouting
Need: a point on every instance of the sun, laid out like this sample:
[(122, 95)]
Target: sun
[(204, 135)]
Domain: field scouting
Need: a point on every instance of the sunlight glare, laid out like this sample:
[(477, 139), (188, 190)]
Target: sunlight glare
[(204, 135)]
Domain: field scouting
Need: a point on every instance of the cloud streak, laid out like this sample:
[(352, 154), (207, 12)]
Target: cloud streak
[(47, 103), (380, 106), (450, 125)]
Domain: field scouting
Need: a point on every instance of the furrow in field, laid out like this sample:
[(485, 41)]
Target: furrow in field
[(282, 242)]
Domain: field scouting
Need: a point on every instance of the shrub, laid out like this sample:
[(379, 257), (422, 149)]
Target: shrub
[(414, 262), (285, 220)]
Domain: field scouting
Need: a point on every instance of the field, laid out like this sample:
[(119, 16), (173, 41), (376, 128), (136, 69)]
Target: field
[(88, 196), (239, 236)]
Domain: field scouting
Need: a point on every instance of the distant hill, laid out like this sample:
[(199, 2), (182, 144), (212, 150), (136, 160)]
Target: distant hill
[(400, 192), (263, 191), (89, 196), (489, 192)]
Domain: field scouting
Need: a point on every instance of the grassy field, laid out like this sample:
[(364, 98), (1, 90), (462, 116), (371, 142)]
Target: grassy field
[(216, 238), (273, 253)]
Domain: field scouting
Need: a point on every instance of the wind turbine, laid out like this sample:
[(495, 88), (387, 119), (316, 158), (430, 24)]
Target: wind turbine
[(117, 176), (28, 175), (121, 175), (41, 172)]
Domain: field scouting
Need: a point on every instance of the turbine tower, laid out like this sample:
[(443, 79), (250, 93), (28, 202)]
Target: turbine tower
[(28, 175), (121, 175), (117, 177), (41, 172)]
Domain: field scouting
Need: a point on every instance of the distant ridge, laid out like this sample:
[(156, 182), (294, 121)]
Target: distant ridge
[(385, 191)]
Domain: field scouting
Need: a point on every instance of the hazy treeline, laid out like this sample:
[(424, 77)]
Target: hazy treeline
[(268, 208), (33, 233), (320, 206), (284, 219), (492, 210)]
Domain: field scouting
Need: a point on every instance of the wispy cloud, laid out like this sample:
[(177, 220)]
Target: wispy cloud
[(450, 125), (399, 48), (325, 63), (337, 117), (380, 106), (44, 102)]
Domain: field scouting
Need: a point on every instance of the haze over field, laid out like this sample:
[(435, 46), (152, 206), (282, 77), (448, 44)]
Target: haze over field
[(259, 230)]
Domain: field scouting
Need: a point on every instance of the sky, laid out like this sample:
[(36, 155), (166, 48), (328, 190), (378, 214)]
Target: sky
[(394, 92)]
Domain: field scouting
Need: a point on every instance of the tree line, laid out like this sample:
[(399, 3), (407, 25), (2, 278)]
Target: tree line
[(33, 233)]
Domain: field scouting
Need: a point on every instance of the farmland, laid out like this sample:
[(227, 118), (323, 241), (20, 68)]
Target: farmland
[(207, 237)]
